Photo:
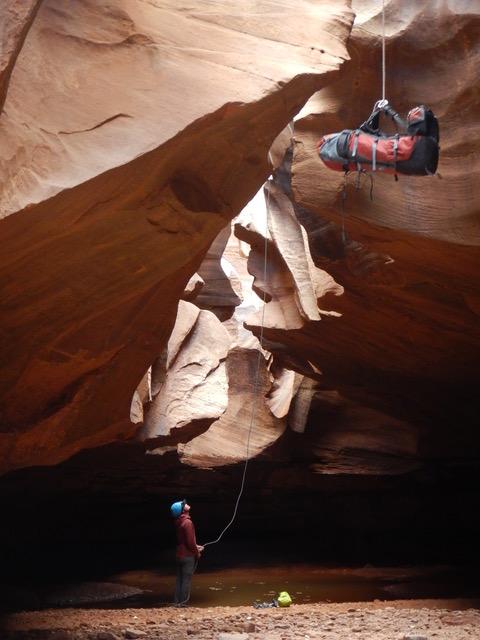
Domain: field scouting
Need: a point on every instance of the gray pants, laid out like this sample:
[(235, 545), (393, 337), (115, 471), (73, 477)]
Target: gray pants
[(185, 569)]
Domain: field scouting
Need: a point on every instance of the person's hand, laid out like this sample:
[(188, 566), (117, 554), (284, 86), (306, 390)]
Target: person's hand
[(200, 548)]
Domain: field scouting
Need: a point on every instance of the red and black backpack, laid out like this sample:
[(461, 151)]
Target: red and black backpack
[(414, 152)]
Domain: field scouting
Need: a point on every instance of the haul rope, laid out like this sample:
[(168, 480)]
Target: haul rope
[(257, 372), (383, 51), (380, 104), (259, 358), (255, 388)]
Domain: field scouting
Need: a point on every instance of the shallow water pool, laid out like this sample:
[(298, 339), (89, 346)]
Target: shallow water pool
[(305, 583)]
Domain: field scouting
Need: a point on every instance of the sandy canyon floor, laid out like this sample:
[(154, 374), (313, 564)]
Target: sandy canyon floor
[(394, 620)]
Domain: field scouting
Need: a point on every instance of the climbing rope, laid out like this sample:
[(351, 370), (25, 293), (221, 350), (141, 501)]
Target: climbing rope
[(255, 390), (291, 128), (383, 51), (379, 104), (257, 372)]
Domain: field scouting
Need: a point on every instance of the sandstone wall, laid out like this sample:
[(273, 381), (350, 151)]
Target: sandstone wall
[(129, 145), (408, 341), (132, 132)]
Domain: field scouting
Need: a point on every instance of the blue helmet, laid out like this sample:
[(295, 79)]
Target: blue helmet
[(177, 508)]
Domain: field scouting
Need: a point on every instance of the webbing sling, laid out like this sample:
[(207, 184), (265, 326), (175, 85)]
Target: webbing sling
[(374, 155), (355, 144), (395, 154)]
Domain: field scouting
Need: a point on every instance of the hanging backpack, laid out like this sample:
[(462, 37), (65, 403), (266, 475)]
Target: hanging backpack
[(414, 152)]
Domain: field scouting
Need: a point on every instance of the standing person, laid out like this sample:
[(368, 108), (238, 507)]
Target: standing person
[(188, 551)]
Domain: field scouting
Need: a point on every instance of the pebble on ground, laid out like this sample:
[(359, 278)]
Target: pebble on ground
[(400, 620)]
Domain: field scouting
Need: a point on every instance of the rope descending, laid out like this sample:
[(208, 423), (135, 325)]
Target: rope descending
[(257, 374)]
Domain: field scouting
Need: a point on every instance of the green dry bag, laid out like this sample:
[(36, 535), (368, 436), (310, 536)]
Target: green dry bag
[(284, 599)]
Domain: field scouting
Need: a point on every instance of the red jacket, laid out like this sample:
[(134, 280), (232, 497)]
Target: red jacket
[(186, 541)]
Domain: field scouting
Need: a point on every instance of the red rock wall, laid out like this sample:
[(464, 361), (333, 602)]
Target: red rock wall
[(127, 145), (408, 340)]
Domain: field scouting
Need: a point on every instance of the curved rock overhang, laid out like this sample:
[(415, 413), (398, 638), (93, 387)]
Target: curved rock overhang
[(131, 136), (132, 201)]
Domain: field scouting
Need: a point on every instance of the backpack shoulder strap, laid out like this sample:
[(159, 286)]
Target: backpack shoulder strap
[(372, 123)]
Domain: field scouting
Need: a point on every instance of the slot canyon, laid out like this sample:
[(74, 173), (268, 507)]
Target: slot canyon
[(187, 288)]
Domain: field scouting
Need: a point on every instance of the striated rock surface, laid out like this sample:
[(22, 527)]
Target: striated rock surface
[(190, 390), (357, 440), (16, 19), (219, 294), (108, 213), (247, 427), (289, 279), (128, 143), (408, 339), (188, 386), (421, 67)]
